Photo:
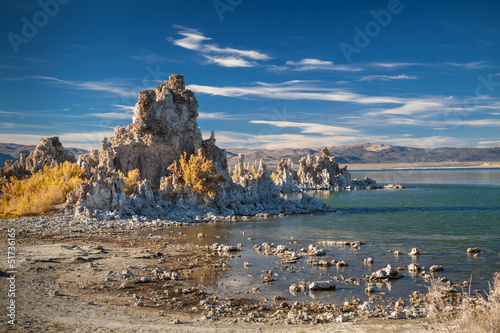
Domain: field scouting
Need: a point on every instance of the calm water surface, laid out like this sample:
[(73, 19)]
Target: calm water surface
[(442, 213)]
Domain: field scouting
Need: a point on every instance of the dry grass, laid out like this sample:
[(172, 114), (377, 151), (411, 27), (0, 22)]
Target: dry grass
[(130, 180), (466, 313), (38, 194)]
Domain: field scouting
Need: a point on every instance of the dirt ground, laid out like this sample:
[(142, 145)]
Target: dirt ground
[(113, 281)]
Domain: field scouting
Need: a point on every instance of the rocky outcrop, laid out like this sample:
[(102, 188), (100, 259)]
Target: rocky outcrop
[(322, 173), (48, 152), (163, 128), (286, 176)]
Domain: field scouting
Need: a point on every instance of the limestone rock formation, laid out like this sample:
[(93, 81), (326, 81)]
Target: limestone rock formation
[(163, 128), (285, 178), (323, 173), (48, 152)]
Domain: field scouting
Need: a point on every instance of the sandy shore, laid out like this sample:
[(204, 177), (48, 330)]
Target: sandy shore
[(120, 281)]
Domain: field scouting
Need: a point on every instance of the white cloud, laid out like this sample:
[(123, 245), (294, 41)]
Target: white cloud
[(309, 128), (416, 106), (212, 115), (293, 90), (388, 77), (470, 65), (397, 64), (223, 56), (230, 61), (309, 64), (110, 86), (489, 143)]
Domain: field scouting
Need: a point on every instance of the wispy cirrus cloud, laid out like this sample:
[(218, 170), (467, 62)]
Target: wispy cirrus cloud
[(390, 65), (388, 77), (293, 90), (469, 65), (309, 128), (123, 112), (112, 86), (310, 64), (193, 39)]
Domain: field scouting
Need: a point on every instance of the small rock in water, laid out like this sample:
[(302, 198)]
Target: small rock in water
[(436, 268), (398, 253), (201, 235), (322, 285), (414, 267), (368, 261), (414, 252), (295, 288), (341, 264), (474, 250)]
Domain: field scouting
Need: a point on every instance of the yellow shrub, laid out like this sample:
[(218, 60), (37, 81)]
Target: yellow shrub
[(255, 172), (46, 188), (274, 175), (236, 177), (198, 172), (130, 180)]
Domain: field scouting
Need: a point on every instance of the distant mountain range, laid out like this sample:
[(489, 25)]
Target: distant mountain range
[(373, 153), (360, 153)]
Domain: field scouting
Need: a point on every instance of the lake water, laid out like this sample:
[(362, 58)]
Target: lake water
[(441, 212)]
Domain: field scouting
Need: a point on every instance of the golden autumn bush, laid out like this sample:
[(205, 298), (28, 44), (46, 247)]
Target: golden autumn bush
[(130, 180), (197, 172), (46, 188)]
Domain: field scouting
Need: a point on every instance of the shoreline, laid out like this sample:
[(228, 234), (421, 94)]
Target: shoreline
[(134, 280), (422, 166)]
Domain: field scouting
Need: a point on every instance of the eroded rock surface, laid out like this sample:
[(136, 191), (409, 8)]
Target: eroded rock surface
[(163, 128), (48, 152)]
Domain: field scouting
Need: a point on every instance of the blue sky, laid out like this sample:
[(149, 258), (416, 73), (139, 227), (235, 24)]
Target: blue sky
[(268, 74)]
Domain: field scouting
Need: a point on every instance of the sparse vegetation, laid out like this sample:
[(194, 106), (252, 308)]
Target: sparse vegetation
[(130, 180), (274, 175), (236, 177), (197, 172), (38, 194), (466, 313)]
